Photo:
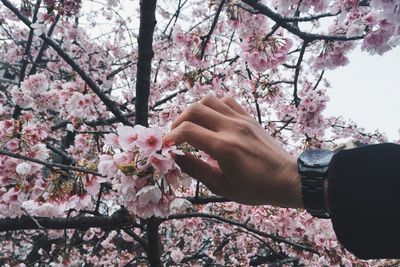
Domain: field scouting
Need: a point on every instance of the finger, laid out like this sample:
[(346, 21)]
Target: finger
[(201, 115), (217, 105), (195, 135), (201, 171), (229, 101)]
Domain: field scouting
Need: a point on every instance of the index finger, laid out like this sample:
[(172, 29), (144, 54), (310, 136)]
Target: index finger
[(195, 135)]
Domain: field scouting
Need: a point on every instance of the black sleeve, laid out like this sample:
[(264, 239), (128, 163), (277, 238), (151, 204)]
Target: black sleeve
[(364, 199)]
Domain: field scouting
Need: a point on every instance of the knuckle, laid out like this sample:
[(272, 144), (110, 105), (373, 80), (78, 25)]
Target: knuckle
[(186, 126), (207, 99), (227, 99), (194, 109)]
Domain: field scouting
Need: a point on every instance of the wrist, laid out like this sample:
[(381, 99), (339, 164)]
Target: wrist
[(294, 198)]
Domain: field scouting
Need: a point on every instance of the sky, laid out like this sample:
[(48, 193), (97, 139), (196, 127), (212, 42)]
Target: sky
[(367, 91)]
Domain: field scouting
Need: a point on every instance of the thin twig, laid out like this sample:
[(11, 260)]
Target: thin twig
[(207, 38), (319, 80), (297, 73)]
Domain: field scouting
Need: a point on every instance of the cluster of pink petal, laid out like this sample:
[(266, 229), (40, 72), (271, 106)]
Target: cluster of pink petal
[(390, 10), (19, 179), (189, 48), (143, 170), (24, 187), (333, 55), (308, 116), (77, 102), (378, 41), (288, 7), (35, 93), (265, 54)]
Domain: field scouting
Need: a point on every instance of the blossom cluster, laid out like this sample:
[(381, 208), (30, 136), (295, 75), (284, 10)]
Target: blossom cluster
[(19, 179), (143, 171), (265, 53)]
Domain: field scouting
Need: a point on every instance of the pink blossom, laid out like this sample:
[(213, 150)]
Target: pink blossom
[(107, 165), (39, 151), (35, 84), (111, 140), (23, 168), (46, 209), (149, 140), (92, 184), (160, 163), (376, 42), (79, 202), (128, 136), (179, 204), (177, 255), (149, 194)]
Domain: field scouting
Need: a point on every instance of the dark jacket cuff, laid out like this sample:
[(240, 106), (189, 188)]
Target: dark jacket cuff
[(364, 200)]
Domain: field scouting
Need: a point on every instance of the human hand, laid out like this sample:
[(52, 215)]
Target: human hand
[(254, 168)]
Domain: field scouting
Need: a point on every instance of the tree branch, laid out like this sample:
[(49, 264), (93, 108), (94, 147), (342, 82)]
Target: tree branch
[(297, 73), (206, 38), (242, 225), (28, 44), (319, 79), (141, 241), (206, 200), (44, 46), (283, 22), (118, 220), (145, 55)]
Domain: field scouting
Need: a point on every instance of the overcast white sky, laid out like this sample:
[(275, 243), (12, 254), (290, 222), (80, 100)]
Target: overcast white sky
[(368, 91)]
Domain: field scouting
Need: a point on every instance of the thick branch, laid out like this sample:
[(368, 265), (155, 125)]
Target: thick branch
[(117, 220), (145, 55), (154, 242), (141, 241)]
